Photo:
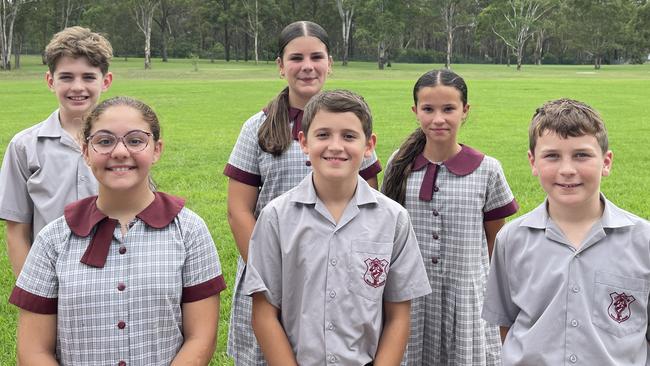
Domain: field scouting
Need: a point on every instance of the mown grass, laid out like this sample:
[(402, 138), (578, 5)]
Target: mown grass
[(202, 109)]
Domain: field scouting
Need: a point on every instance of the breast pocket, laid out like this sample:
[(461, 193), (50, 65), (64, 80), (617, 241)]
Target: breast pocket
[(369, 264), (620, 304)]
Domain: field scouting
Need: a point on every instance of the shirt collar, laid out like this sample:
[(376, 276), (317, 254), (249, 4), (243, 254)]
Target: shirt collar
[(306, 192), (52, 126), (83, 215), (465, 162), (295, 116)]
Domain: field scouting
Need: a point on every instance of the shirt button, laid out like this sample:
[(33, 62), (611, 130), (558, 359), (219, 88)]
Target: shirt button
[(435, 212), (331, 359), (122, 250), (332, 294), (436, 189), (575, 289), (574, 323), (434, 260), (573, 358), (330, 326), (435, 237), (121, 286), (333, 262), (82, 178), (121, 324), (121, 363)]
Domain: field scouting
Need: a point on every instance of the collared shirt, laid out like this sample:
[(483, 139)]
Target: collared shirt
[(128, 309), (468, 189), (330, 279), (567, 306), (42, 171), (273, 175)]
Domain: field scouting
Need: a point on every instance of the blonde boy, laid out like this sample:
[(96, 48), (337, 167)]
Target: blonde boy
[(569, 281), (43, 169), (333, 264)]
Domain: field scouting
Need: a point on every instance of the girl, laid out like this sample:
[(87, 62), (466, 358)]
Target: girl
[(129, 276), (267, 161), (457, 198)]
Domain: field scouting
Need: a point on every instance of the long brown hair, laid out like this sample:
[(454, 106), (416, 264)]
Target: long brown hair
[(274, 136), (395, 178)]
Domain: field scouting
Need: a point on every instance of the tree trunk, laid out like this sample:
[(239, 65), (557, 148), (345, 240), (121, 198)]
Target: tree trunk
[(346, 25), (7, 19), (450, 42), (381, 53), (147, 49), (163, 45), (226, 41)]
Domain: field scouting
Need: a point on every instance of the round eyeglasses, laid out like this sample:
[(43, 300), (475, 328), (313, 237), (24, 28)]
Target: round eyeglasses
[(105, 142)]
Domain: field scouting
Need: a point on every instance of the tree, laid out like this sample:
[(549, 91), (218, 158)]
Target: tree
[(8, 14), (143, 11), (456, 14), (382, 24), (252, 28), (346, 15), (515, 21)]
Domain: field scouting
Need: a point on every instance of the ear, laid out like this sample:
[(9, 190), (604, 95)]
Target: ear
[(370, 146), (278, 61), (414, 109), (49, 79), (607, 163), (303, 142), (157, 150), (84, 153), (465, 110), (531, 161), (330, 62), (107, 80)]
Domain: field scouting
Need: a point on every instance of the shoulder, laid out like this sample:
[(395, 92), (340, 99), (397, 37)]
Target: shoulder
[(491, 164), (27, 136), (190, 221), (255, 121), (54, 236), (389, 210)]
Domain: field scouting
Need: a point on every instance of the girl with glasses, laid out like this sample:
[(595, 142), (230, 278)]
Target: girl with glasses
[(129, 276)]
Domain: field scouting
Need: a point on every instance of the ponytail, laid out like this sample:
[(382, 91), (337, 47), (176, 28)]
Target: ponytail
[(274, 136), (399, 168)]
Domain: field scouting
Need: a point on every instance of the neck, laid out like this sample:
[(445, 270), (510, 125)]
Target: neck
[(586, 213), (72, 124), (124, 205), (440, 152), (335, 194), (297, 101)]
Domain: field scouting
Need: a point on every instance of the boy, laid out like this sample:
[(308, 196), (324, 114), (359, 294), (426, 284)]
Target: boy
[(332, 255), (569, 281), (43, 169)]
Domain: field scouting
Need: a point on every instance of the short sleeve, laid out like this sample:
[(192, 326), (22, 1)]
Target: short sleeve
[(37, 286), (264, 267), (202, 275), (370, 167), (243, 164), (407, 277), (499, 200), (498, 307), (15, 202)]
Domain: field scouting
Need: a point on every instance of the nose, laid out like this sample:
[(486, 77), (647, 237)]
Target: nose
[(438, 118), (77, 84), (566, 167), (335, 144), (307, 65), (120, 150)]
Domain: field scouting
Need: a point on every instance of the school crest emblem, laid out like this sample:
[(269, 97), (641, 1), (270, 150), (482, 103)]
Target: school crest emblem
[(375, 275), (619, 308)]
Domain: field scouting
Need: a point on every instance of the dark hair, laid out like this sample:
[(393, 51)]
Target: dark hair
[(78, 42), (394, 185), (338, 101), (567, 117), (274, 136)]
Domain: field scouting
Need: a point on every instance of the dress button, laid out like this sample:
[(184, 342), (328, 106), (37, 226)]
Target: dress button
[(332, 294), (122, 250), (333, 262), (308, 163), (434, 260), (121, 286), (121, 363), (573, 358), (121, 324), (436, 189), (576, 289), (435, 212), (574, 323), (435, 237)]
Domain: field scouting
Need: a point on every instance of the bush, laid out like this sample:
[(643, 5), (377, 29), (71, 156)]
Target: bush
[(420, 56)]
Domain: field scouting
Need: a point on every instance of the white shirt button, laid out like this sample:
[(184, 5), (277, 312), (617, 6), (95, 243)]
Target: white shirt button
[(330, 326), (576, 289), (574, 323), (331, 358), (332, 294), (333, 262), (573, 358)]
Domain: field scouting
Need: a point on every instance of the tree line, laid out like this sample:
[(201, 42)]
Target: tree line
[(424, 31)]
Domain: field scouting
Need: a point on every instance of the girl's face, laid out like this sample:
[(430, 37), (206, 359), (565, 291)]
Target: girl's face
[(121, 169), (305, 64), (441, 112)]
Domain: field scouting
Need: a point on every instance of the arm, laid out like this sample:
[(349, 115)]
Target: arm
[(504, 333), (241, 208), (395, 334), (491, 229), (36, 344), (373, 182), (18, 244), (200, 324), (270, 333)]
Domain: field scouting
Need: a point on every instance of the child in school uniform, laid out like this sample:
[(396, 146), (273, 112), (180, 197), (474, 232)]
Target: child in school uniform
[(267, 161), (570, 280), (457, 198), (43, 169), (127, 277), (333, 264)]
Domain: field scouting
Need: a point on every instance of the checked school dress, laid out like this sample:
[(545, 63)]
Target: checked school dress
[(273, 175), (448, 212)]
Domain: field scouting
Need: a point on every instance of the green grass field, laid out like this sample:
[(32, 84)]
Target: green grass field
[(203, 106)]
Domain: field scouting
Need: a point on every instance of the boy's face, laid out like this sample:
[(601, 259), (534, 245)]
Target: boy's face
[(336, 145), (570, 169), (77, 84)]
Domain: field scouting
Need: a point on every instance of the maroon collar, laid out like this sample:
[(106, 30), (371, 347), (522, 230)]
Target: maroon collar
[(295, 115), (463, 163), (83, 215)]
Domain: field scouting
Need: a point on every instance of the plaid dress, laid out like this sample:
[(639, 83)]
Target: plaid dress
[(274, 176), (446, 325)]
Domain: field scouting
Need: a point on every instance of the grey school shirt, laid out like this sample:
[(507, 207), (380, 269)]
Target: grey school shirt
[(330, 279), (567, 306), (42, 171)]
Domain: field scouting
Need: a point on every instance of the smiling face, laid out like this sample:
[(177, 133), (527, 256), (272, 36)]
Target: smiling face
[(122, 170), (570, 169), (305, 64), (441, 112), (336, 146), (78, 85)]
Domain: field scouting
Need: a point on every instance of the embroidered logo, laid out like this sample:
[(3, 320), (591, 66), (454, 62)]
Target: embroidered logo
[(619, 308), (375, 275)]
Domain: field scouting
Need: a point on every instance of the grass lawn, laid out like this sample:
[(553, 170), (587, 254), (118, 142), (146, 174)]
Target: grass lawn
[(203, 106)]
